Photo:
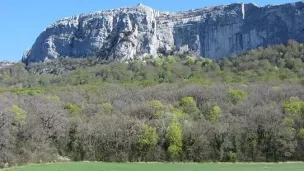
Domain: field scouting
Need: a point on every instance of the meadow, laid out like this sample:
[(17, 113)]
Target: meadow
[(158, 166)]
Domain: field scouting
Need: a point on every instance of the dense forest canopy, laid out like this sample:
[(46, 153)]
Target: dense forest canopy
[(170, 108)]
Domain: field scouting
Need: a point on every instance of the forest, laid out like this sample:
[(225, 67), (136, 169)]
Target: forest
[(182, 108)]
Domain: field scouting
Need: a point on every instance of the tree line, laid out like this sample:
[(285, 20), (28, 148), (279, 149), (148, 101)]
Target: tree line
[(166, 122), (280, 64)]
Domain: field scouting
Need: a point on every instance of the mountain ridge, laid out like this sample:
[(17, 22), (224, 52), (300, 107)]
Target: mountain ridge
[(128, 32)]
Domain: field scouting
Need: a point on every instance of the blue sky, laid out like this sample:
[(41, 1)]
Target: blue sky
[(23, 20)]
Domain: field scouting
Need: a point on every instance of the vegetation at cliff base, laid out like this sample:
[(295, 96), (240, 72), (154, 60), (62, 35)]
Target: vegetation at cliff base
[(276, 64), (246, 108)]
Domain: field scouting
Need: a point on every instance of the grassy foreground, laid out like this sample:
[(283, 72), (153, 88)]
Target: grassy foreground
[(156, 167)]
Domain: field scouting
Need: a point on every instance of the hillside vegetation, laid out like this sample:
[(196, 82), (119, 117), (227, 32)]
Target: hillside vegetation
[(171, 108)]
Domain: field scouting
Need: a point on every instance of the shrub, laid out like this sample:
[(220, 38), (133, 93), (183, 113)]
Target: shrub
[(190, 60), (237, 96), (214, 113), (27, 91), (173, 152), (301, 133), (20, 114), (289, 122), (232, 157), (178, 113), (107, 108), (157, 107), (53, 98), (294, 106), (147, 138), (73, 108), (188, 105)]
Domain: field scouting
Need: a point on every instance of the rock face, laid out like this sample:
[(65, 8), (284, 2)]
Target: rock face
[(126, 33)]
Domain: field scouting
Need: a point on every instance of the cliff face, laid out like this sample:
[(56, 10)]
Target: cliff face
[(125, 33)]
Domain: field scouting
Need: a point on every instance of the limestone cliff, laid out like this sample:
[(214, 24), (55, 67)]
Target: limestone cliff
[(125, 33)]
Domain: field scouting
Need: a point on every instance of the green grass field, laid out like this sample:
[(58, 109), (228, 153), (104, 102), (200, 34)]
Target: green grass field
[(161, 167)]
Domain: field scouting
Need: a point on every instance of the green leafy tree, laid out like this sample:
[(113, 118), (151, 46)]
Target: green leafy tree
[(73, 108), (188, 105), (171, 59), (237, 96), (174, 138), (20, 114), (214, 113), (190, 60), (158, 62), (177, 112), (157, 107), (147, 139), (294, 106)]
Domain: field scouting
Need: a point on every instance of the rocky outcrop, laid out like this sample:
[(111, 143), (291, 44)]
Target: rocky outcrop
[(4, 64), (125, 33)]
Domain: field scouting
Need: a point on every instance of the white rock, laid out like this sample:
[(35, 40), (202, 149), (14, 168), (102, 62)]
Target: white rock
[(5, 64), (126, 33)]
